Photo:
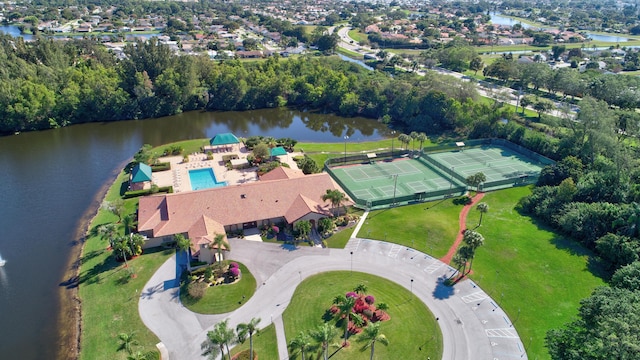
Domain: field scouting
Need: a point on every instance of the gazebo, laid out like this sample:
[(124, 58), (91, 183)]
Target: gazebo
[(277, 151), (140, 176), (222, 141)]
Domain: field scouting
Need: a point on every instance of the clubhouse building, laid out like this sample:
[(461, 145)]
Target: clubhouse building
[(282, 195)]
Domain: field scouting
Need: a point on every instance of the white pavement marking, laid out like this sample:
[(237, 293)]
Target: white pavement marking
[(395, 249), (480, 295), (182, 331), (433, 267), (509, 333)]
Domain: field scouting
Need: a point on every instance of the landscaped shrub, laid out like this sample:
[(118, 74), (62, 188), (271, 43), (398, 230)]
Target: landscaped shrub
[(209, 155), (369, 299), (172, 150), (196, 289), (325, 226), (234, 265), (161, 167), (342, 221), (351, 294), (208, 273), (235, 272), (136, 193), (227, 158), (244, 355)]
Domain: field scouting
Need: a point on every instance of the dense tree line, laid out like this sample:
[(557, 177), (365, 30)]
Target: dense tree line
[(46, 84), (616, 90)]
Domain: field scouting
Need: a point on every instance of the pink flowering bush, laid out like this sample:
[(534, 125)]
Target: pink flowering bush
[(351, 294), (369, 299), (233, 265), (235, 272)]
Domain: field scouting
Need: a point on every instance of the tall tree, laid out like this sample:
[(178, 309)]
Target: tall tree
[(335, 196), (324, 334), (218, 340), (249, 328), (220, 241), (345, 309), (371, 335), (404, 139), (301, 342), (473, 240), (303, 227), (482, 207), (422, 137)]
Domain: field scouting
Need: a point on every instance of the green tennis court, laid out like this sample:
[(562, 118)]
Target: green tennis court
[(436, 174), (500, 165), (402, 180)]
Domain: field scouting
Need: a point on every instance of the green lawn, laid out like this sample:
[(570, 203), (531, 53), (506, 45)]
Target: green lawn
[(223, 298), (265, 343), (430, 227), (110, 295), (413, 332), (339, 240), (356, 35), (536, 275)]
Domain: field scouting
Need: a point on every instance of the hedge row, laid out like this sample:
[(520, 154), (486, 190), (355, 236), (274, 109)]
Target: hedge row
[(136, 193)]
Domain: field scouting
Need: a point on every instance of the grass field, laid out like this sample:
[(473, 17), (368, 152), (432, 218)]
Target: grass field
[(430, 227), (224, 298), (537, 276), (110, 295), (413, 332), (264, 344), (356, 35)]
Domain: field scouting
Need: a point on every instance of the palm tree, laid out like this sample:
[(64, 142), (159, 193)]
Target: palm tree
[(121, 246), (335, 196), (461, 258), (182, 244), (248, 328), (219, 241), (126, 341), (473, 240), (405, 139), (483, 208), (371, 335), (128, 224), (345, 308), (218, 340), (422, 137), (301, 342), (360, 289), (414, 136), (324, 334), (136, 241), (303, 227), (107, 232)]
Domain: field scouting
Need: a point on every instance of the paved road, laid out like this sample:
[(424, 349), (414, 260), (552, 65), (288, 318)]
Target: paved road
[(491, 90), (472, 324)]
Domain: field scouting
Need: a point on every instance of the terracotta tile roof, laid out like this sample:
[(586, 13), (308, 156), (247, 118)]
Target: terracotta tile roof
[(176, 213), (281, 173), (301, 206)]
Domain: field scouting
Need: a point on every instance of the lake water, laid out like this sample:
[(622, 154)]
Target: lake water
[(497, 19), (15, 32), (50, 179)]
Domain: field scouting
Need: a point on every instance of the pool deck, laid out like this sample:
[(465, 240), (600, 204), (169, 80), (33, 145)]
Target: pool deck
[(178, 176)]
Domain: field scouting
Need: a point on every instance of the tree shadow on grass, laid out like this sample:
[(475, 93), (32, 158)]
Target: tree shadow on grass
[(442, 291), (595, 265)]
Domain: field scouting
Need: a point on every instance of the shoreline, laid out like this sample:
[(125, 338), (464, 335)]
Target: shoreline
[(69, 323)]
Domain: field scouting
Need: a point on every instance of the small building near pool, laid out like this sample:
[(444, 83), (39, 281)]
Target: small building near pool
[(140, 177)]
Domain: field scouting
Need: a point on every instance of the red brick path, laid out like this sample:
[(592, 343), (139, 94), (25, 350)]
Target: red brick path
[(462, 226)]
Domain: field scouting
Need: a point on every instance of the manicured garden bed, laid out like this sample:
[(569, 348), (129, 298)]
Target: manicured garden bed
[(412, 331), (221, 299)]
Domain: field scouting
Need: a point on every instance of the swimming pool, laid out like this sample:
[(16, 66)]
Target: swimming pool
[(204, 179)]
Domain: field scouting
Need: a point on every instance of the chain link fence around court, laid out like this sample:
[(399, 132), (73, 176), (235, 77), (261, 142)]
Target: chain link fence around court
[(380, 180)]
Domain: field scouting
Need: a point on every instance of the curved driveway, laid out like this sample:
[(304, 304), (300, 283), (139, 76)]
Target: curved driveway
[(472, 325)]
